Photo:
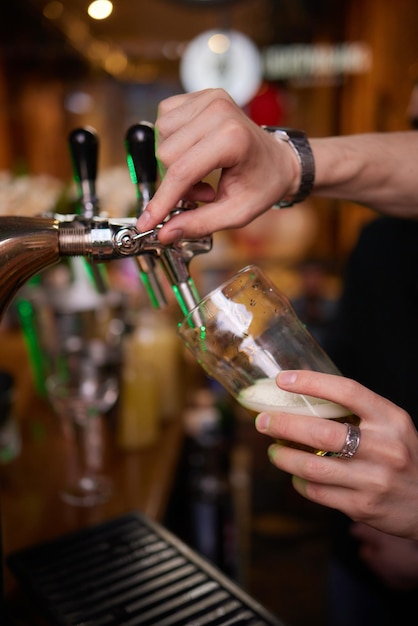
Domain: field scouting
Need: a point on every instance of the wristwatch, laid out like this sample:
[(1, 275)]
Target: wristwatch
[(298, 141)]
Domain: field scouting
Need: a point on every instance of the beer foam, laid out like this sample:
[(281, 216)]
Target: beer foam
[(265, 395)]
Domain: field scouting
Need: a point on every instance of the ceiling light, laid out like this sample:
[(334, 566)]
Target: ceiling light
[(100, 9), (219, 43)]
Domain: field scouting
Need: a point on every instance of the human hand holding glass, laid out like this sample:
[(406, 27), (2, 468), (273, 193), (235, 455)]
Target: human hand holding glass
[(244, 333), (379, 485)]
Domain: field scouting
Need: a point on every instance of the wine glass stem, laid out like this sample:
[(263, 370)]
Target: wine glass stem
[(88, 449)]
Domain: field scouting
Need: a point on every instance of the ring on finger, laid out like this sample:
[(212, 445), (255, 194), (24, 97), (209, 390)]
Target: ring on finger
[(351, 444)]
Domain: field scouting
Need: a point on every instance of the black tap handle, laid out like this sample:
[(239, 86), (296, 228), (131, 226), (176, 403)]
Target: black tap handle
[(84, 148), (140, 149), (142, 165)]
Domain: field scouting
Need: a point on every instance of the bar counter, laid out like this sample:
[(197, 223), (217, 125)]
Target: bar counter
[(32, 510)]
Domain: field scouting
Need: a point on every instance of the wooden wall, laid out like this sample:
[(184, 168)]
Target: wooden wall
[(377, 101), (367, 102)]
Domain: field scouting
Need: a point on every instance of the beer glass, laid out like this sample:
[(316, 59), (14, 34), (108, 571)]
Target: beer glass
[(244, 333)]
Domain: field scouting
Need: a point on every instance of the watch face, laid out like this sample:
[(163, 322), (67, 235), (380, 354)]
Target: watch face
[(226, 59)]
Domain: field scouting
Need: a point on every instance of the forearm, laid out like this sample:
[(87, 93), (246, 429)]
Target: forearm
[(379, 170), (205, 131)]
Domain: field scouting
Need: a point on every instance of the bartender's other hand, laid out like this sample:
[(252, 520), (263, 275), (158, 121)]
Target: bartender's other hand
[(378, 485)]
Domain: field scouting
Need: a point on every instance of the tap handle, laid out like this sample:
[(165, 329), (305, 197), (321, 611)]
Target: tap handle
[(84, 147), (142, 162)]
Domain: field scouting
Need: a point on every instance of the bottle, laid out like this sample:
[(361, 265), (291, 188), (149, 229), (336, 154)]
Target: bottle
[(139, 413), (158, 342), (152, 359)]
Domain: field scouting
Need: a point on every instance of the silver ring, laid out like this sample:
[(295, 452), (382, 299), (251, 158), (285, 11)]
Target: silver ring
[(351, 444)]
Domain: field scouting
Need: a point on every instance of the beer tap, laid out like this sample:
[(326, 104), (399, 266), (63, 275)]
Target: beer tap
[(142, 165), (84, 149), (175, 258), (29, 245)]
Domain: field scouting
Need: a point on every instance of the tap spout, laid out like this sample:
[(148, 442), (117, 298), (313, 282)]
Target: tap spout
[(27, 246)]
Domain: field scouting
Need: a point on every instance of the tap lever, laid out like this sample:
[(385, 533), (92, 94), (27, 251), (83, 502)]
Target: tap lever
[(84, 146), (142, 163), (174, 259)]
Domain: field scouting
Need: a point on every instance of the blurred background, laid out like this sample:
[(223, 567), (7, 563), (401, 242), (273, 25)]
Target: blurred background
[(326, 67), (323, 66)]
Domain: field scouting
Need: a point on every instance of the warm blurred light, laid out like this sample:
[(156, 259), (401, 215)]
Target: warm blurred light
[(115, 62), (219, 43), (146, 72), (100, 9), (98, 50), (76, 30), (79, 102), (53, 10)]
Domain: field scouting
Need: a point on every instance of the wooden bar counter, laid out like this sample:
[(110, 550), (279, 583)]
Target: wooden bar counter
[(32, 510)]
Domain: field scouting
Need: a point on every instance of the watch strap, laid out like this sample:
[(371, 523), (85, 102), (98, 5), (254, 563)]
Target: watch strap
[(298, 141)]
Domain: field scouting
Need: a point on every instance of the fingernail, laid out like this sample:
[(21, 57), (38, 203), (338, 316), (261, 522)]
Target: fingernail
[(143, 221), (287, 377), (262, 421), (271, 451), (175, 235)]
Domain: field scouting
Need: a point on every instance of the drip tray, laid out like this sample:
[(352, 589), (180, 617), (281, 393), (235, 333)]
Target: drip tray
[(131, 571)]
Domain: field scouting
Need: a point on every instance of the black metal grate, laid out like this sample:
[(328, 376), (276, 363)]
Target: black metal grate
[(131, 571)]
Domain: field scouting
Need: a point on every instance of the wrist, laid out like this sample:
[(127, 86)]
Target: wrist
[(298, 142)]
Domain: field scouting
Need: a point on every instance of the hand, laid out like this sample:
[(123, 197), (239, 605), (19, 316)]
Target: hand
[(393, 559), (202, 132), (379, 484)]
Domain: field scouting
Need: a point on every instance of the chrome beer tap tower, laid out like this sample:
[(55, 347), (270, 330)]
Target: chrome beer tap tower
[(29, 245)]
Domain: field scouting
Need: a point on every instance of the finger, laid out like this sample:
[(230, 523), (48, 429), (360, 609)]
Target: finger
[(201, 192), (218, 121), (200, 158), (175, 102), (329, 471), (324, 475), (191, 103), (314, 432), (334, 482), (205, 220), (344, 499), (344, 391), (193, 142)]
